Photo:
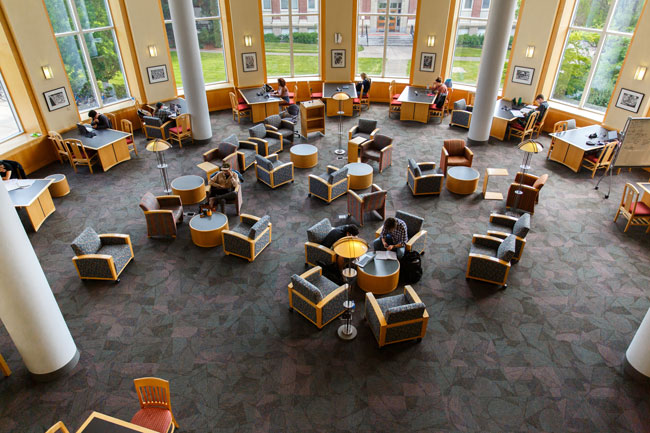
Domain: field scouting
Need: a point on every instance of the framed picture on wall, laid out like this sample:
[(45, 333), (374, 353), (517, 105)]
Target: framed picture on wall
[(629, 100), (57, 98), (427, 62), (523, 75), (249, 62), (157, 74), (338, 58)]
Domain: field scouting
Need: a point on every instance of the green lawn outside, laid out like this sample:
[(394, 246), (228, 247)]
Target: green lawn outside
[(214, 67), (470, 76), (278, 65), (369, 65), (283, 47), (467, 52)]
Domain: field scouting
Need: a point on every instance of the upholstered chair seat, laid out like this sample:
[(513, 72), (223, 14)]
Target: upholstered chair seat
[(101, 257), (489, 259), (423, 178), (248, 239), (268, 141), (284, 126), (367, 128)]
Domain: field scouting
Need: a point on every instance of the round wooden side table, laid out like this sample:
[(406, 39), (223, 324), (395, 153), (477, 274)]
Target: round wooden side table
[(378, 276), (190, 188), (206, 231), (462, 180), (59, 186), (304, 155), (360, 175)]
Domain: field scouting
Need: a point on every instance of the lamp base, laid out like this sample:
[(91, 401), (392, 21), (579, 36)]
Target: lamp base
[(343, 332), (339, 152)]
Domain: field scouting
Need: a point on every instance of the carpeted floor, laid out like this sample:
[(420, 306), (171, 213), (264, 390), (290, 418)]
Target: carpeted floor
[(545, 355)]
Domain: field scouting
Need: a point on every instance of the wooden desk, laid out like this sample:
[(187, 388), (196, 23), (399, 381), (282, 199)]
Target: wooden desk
[(415, 104), (110, 145), (570, 146), (36, 200), (262, 103), (502, 118), (329, 89), (100, 423)]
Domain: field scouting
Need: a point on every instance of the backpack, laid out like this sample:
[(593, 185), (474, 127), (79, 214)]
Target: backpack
[(331, 271), (411, 267)]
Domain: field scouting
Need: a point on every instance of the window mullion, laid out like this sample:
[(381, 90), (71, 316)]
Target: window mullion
[(291, 38), (84, 50), (386, 26)]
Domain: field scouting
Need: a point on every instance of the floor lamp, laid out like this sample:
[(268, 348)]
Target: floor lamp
[(349, 247), (529, 147), (159, 147), (340, 96)]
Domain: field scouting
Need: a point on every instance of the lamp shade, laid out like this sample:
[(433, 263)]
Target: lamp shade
[(531, 146), (350, 247), (157, 146), (341, 96)]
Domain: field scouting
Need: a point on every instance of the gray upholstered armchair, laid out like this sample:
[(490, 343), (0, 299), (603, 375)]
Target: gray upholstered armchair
[(360, 204), (318, 299), (367, 128), (226, 151), (331, 185), (380, 149), (417, 237), (162, 213), (397, 318), (155, 128), (489, 259), (249, 238), (101, 257), (501, 226), (314, 250), (461, 115), (423, 178), (268, 142), (272, 171), (283, 126), (246, 151)]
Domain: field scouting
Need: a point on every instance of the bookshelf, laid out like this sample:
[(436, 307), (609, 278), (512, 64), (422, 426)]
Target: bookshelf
[(312, 117)]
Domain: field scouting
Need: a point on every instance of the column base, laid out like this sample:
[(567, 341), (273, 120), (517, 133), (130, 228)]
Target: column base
[(204, 141), (634, 373), (476, 142), (48, 377)]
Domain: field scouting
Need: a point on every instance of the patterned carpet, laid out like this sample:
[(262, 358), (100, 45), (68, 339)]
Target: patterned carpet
[(545, 355)]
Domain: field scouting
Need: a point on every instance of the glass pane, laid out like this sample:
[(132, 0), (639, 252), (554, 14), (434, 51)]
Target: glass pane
[(206, 8), (174, 55), (505, 63), (276, 42), (305, 47), (396, 6), (211, 46), (60, 15), (266, 6), (591, 13), (165, 8), (284, 6), (607, 70), (370, 48), (475, 9), (9, 124), (92, 13), (467, 52), (106, 65), (574, 68), (626, 15), (77, 73), (399, 45)]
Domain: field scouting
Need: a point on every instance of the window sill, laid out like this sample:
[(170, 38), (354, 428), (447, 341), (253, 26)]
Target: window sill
[(470, 88), (385, 80), (208, 87), (116, 106), (18, 141), (596, 117)]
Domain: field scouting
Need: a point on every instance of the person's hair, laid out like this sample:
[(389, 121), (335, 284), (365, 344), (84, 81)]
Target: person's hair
[(281, 82), (2, 166), (540, 96), (390, 223), (92, 114), (363, 75), (225, 166), (352, 229), (439, 80), (159, 105)]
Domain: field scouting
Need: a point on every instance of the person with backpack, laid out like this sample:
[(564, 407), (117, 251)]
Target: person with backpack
[(394, 236)]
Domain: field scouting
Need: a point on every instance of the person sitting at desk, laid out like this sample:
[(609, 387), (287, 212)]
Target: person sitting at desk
[(162, 112), (283, 90), (439, 87), (99, 121), (363, 84), (11, 170), (222, 186), (5, 173), (394, 236), (542, 106)]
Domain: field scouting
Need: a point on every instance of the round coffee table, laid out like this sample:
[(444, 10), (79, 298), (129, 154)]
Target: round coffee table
[(206, 231), (304, 155), (462, 180), (59, 186), (190, 188), (360, 175), (378, 276)]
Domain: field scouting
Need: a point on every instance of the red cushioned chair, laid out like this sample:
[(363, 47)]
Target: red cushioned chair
[(127, 127), (314, 95), (182, 130), (239, 108), (155, 408), (520, 131), (395, 105), (594, 161), (636, 212)]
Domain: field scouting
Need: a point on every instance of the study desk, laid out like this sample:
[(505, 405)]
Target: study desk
[(36, 200), (501, 119), (415, 104), (570, 146), (645, 192), (110, 145), (262, 103), (329, 89), (178, 101), (100, 423)]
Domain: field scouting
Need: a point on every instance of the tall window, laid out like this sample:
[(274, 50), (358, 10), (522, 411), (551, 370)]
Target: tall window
[(385, 37), (9, 123), (86, 36), (596, 45), (208, 28), (291, 37), (470, 32)]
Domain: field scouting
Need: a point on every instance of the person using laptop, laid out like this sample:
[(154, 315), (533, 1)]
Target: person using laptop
[(363, 85), (542, 106), (5, 172), (99, 121), (394, 236), (283, 90), (162, 112), (222, 187)]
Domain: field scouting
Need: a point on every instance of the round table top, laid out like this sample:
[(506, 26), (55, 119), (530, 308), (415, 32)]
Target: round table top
[(380, 268), (56, 177), (187, 183), (208, 223), (359, 169), (462, 173), (350, 247), (303, 149)]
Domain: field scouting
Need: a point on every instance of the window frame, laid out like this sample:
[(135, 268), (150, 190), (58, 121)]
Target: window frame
[(20, 130)]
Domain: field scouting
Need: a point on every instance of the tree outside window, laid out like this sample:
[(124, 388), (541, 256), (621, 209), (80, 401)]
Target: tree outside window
[(9, 123)]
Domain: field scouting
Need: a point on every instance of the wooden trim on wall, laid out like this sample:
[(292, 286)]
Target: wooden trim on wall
[(557, 34), (353, 40), (169, 52), (131, 49), (231, 42), (414, 52), (322, 26), (262, 43), (450, 38), (512, 50)]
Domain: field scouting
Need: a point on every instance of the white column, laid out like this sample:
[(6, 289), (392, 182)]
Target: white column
[(28, 309), (493, 56), (189, 60), (638, 354)]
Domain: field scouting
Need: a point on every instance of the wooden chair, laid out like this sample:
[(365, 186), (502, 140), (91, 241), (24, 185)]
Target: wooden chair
[(127, 127), (395, 105), (112, 119), (294, 98), (470, 98), (155, 407), (560, 126), (80, 156), (58, 427), (182, 130), (537, 129), (62, 150), (522, 131), (593, 162), (436, 111), (445, 107), (375, 200), (393, 96), (636, 212), (239, 110), (312, 94), (362, 101)]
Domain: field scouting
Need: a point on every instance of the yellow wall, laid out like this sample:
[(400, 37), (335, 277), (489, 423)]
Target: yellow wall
[(432, 20), (338, 16), (245, 19)]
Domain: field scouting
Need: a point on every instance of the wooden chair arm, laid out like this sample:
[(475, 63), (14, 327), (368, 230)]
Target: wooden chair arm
[(248, 217), (502, 217), (333, 168), (378, 231), (411, 292), (432, 163), (320, 247), (272, 157), (312, 271), (277, 134), (270, 128), (355, 196), (370, 299), (415, 238), (468, 153), (158, 211), (374, 131), (445, 152), (486, 237), (93, 256), (492, 259), (390, 146), (332, 295), (256, 140), (237, 235), (321, 180), (280, 167), (374, 188)]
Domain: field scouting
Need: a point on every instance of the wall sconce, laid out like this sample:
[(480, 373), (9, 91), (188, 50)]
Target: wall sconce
[(153, 51), (47, 72), (431, 40), (248, 40), (338, 38), (639, 74), (530, 51)]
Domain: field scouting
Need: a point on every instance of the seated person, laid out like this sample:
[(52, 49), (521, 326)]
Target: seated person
[(6, 173), (99, 121), (393, 237), (542, 106), (439, 87), (222, 186), (162, 112), (363, 84), (283, 90), (338, 233)]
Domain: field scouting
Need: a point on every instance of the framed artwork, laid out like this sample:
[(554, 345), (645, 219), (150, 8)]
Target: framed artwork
[(629, 100), (57, 98), (523, 75), (338, 58), (249, 62), (427, 62), (157, 74)]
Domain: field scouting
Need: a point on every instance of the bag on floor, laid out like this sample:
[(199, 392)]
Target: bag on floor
[(411, 267), (331, 271)]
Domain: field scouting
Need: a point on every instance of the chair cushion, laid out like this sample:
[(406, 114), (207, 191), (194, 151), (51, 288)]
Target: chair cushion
[(154, 418), (178, 129), (414, 167), (367, 125), (274, 120), (592, 157), (338, 175), (455, 147), (318, 232), (382, 141), (539, 183), (264, 163), (522, 226), (456, 160), (88, 242), (460, 105), (356, 101), (361, 134), (243, 107), (259, 226), (640, 209), (257, 131), (152, 121), (129, 140), (307, 289), (394, 102), (516, 125), (397, 95), (413, 222), (149, 202), (232, 139), (120, 253), (571, 124), (507, 248), (317, 95), (402, 313), (372, 154)]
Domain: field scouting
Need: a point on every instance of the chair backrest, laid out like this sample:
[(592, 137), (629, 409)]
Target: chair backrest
[(76, 149), (380, 141), (606, 155), (367, 125), (365, 94), (532, 119), (541, 121), (58, 141), (460, 105), (455, 147), (152, 121), (233, 100), (295, 92), (374, 200), (127, 126), (149, 202), (470, 98), (390, 91), (153, 392), (630, 197), (560, 126), (58, 427), (112, 120), (413, 222), (183, 123)]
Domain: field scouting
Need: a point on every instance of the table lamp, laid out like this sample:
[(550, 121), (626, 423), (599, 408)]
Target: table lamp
[(530, 147), (349, 247), (340, 96), (158, 147)]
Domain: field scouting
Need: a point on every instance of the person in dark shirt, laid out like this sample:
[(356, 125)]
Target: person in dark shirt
[(5, 173), (162, 112), (542, 106), (99, 121), (340, 232), (363, 84)]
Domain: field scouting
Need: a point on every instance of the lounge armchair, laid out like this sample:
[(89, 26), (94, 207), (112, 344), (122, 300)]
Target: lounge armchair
[(502, 226), (360, 204), (314, 250), (272, 171), (226, 151), (531, 186), (315, 297), (461, 115), (285, 127), (155, 128), (331, 185), (366, 128), (162, 214), (380, 149), (101, 257), (248, 239), (268, 142), (423, 178), (489, 259), (417, 237), (455, 153)]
